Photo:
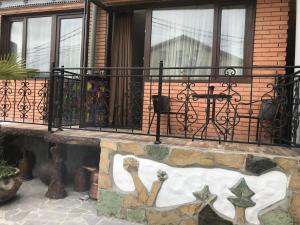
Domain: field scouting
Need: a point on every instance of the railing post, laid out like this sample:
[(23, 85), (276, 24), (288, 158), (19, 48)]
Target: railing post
[(82, 113), (61, 98), (51, 98), (160, 79)]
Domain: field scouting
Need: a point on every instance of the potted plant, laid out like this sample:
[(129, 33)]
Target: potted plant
[(11, 68)]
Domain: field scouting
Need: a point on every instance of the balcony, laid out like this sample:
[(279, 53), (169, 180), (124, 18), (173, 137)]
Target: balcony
[(255, 105)]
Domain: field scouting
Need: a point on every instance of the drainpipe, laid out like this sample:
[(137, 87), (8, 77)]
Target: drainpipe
[(86, 31), (297, 50), (93, 36)]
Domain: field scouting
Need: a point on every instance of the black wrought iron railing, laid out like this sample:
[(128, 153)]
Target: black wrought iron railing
[(25, 101), (242, 104), (261, 106)]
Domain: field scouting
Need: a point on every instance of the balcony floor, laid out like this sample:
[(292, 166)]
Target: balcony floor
[(93, 138)]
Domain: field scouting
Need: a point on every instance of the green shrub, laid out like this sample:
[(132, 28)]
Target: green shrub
[(6, 170)]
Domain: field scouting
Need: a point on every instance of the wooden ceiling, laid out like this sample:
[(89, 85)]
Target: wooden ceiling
[(129, 2), (136, 4), (142, 4)]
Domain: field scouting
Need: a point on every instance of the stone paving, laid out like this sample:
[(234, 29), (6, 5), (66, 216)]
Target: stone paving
[(31, 207)]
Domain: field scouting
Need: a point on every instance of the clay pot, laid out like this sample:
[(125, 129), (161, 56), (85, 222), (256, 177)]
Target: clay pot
[(25, 169), (81, 180), (94, 176), (9, 186), (93, 192)]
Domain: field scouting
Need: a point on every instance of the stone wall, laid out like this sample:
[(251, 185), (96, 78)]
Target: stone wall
[(129, 187)]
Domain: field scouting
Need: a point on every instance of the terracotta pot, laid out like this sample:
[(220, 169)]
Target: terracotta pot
[(93, 192), (9, 186), (25, 169), (81, 180), (94, 176)]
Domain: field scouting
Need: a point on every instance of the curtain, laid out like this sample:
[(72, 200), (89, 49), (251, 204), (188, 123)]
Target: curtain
[(232, 38), (120, 94), (183, 38)]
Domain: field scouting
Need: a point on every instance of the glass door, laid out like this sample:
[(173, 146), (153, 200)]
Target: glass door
[(69, 42)]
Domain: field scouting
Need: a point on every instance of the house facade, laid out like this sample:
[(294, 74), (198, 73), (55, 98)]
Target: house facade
[(139, 34), (197, 70)]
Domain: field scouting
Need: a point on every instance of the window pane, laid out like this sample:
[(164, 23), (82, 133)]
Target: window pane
[(182, 38), (70, 42), (232, 37), (38, 43), (16, 38)]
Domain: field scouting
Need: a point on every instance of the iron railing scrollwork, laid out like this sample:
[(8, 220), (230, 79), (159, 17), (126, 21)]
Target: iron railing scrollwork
[(186, 115), (24, 104), (226, 115), (258, 107), (25, 101), (5, 102)]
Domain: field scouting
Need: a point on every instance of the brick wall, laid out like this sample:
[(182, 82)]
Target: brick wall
[(100, 48), (100, 42), (270, 43)]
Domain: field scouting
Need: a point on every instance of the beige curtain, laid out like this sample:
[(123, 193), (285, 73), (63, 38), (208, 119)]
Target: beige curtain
[(121, 56), (180, 40)]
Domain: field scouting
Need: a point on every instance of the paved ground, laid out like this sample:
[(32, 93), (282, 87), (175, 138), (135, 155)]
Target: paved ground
[(30, 207)]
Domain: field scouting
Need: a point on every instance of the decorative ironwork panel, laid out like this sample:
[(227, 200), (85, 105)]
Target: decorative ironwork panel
[(42, 106), (186, 115), (96, 101), (24, 104), (71, 100), (226, 115), (5, 100)]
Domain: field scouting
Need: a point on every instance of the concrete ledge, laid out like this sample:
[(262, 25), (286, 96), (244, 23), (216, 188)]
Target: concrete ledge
[(93, 138)]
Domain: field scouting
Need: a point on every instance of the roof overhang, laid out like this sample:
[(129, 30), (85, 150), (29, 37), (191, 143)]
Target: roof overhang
[(4, 4), (135, 4)]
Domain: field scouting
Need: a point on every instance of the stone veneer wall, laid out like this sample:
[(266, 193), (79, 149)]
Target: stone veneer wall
[(139, 206)]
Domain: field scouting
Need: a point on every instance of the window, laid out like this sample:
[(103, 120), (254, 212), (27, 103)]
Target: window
[(178, 34), (38, 43), (70, 42), (232, 38), (16, 38), (201, 36), (46, 39)]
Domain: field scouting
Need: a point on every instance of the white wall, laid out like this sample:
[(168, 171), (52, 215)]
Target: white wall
[(178, 189)]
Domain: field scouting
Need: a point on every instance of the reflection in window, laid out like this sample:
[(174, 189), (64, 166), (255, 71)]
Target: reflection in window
[(186, 36), (16, 38), (232, 37), (70, 42), (38, 43)]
